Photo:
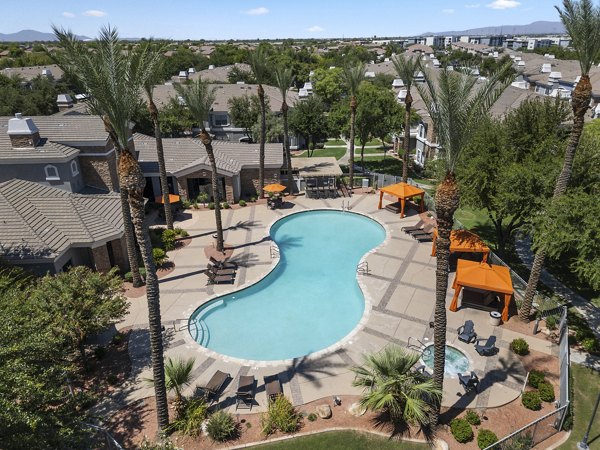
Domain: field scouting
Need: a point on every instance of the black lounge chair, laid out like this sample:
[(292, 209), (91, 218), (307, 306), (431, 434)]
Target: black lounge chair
[(273, 387), (218, 271), (213, 278), (212, 389), (411, 229), (244, 394), (223, 264), (487, 349), (426, 237), (466, 332), (469, 382)]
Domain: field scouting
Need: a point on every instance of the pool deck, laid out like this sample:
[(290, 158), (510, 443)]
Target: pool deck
[(400, 285)]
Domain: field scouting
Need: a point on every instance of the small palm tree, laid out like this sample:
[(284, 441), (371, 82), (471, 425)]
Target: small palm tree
[(390, 385), (284, 79), (582, 22), (260, 68), (457, 104), (178, 375), (199, 97), (353, 76), (406, 68)]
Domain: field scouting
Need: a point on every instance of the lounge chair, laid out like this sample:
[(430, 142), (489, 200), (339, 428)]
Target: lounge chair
[(213, 278), (422, 370), (487, 349), (244, 394), (466, 332), (219, 271), (223, 264), (273, 387), (410, 229), (427, 229), (469, 382), (423, 237), (212, 389)]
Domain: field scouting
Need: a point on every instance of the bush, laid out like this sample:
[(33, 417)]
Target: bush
[(551, 322), (181, 232), (252, 199), (535, 378), (168, 240), (221, 426), (281, 416), (546, 392), (225, 205), (312, 417), (118, 338), (485, 438), (461, 430), (168, 445), (531, 400), (590, 345), (100, 352), (519, 346), (112, 379), (242, 203), (195, 205), (211, 205), (160, 256), (129, 277), (203, 197), (472, 417), (186, 204), (191, 417), (582, 334)]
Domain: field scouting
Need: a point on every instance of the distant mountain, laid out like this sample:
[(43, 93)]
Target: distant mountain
[(31, 36), (540, 27)]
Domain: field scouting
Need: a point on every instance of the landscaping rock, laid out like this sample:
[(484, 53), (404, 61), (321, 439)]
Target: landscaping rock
[(356, 409), (324, 411)]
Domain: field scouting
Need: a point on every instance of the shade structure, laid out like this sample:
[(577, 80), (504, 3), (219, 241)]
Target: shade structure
[(172, 199), (464, 241), (402, 191), (274, 188), (481, 275)]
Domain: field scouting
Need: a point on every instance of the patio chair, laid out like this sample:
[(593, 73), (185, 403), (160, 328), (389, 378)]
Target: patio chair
[(487, 349), (425, 237), (219, 271), (273, 387), (427, 229), (410, 229), (244, 394), (223, 264), (212, 389), (466, 332), (213, 278), (422, 370), (469, 382)]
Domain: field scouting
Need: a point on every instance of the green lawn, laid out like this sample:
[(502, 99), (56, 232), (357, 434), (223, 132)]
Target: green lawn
[(369, 151), (478, 221), (335, 142), (342, 440), (586, 384), (371, 142), (336, 152)]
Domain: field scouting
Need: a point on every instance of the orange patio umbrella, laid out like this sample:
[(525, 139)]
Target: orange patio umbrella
[(402, 191), (464, 241), (276, 187), (481, 275), (172, 199)]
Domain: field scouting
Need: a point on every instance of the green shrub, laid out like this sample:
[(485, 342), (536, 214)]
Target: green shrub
[(221, 426), (519, 346), (485, 438), (252, 199), (168, 445), (181, 232), (160, 256), (535, 378), (203, 197), (531, 400), (472, 417), (129, 277), (118, 338), (281, 416), (112, 379), (461, 430), (590, 344), (100, 352), (168, 240), (242, 203), (551, 322), (195, 205), (225, 205), (546, 392), (211, 205), (186, 204), (191, 417), (312, 417)]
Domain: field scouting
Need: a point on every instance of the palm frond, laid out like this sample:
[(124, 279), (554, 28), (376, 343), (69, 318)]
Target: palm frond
[(406, 69), (199, 97), (259, 64), (353, 76), (582, 23), (284, 79)]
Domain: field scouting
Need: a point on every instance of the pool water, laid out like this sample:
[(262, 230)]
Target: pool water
[(456, 361), (308, 302)]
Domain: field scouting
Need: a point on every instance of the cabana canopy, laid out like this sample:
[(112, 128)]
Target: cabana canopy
[(464, 241), (482, 276), (402, 191), (172, 199)]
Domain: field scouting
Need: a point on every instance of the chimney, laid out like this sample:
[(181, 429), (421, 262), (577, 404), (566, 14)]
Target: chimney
[(64, 102), (47, 73), (183, 75), (22, 132)]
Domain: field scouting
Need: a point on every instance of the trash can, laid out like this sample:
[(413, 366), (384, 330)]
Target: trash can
[(214, 236), (495, 318), (365, 183)]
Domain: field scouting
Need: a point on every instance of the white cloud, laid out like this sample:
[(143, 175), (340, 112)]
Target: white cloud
[(95, 13), (448, 11), (315, 29), (68, 15), (261, 11), (473, 5), (503, 4)]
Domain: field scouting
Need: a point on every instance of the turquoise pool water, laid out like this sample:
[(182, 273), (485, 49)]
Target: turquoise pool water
[(456, 361), (308, 302)]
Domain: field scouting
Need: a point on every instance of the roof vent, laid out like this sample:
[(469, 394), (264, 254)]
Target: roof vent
[(47, 73), (397, 83), (211, 67), (555, 76), (369, 74), (22, 132), (64, 101), (183, 75), (191, 70), (546, 68)]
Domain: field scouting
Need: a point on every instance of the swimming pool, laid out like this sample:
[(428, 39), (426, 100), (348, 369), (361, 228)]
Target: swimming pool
[(308, 302)]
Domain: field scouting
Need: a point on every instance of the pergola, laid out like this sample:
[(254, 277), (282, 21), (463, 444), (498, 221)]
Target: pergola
[(464, 241), (481, 275), (402, 191)]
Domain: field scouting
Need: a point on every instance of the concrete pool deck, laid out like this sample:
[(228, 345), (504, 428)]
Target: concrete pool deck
[(400, 285)]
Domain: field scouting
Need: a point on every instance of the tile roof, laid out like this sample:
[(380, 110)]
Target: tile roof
[(218, 74), (42, 222), (29, 73)]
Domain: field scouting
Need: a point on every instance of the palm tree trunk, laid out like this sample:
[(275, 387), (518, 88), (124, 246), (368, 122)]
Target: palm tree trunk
[(406, 143), (352, 132), (132, 180), (362, 157), (580, 103), (162, 171), (287, 155), (207, 141), (263, 138)]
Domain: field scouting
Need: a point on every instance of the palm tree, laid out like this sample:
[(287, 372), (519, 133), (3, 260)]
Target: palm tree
[(260, 67), (113, 80), (390, 385), (284, 79), (199, 97), (353, 76), (582, 22), (178, 374), (406, 69), (457, 105)]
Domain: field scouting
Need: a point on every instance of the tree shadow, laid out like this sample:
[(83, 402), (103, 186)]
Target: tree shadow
[(400, 429), (288, 241), (249, 244), (309, 369), (127, 423)]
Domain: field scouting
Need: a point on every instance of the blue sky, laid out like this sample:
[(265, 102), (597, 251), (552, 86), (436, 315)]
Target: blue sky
[(248, 19)]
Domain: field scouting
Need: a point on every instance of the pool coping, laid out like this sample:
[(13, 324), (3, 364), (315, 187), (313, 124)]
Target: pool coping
[(346, 340)]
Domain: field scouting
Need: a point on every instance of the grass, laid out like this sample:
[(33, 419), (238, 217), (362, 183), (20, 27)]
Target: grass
[(342, 440), (335, 142), (478, 221), (336, 152), (376, 142), (583, 402), (369, 151)]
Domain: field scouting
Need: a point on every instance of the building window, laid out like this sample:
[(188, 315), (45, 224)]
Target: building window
[(74, 168), (51, 173), (220, 120)]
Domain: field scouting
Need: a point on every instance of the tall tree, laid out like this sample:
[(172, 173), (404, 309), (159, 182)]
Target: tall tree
[(406, 68), (244, 112), (308, 119), (457, 104), (284, 79), (114, 80), (260, 68), (353, 76), (582, 22), (199, 97)]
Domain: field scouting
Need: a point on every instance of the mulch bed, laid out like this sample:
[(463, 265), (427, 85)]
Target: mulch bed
[(131, 292)]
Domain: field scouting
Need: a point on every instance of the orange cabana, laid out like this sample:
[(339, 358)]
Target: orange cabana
[(172, 199), (402, 191), (481, 275), (274, 188), (464, 241)]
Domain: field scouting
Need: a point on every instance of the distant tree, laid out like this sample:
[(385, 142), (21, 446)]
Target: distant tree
[(308, 119), (236, 75), (274, 130), (175, 119), (382, 80), (353, 76), (284, 79), (245, 112), (338, 119), (329, 85)]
